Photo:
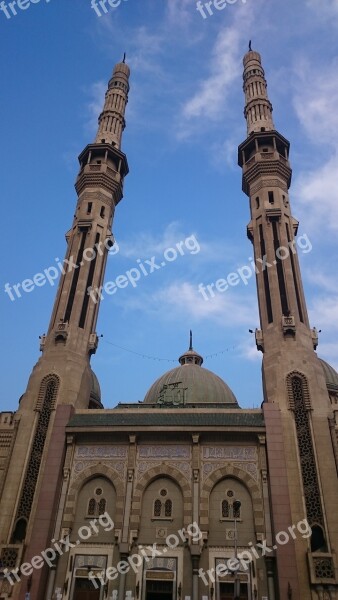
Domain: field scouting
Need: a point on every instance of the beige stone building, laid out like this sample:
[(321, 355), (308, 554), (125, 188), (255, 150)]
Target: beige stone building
[(184, 496)]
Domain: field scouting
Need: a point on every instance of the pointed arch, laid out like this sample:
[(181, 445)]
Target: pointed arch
[(50, 383), (96, 470), (306, 392), (150, 476), (46, 401), (227, 471)]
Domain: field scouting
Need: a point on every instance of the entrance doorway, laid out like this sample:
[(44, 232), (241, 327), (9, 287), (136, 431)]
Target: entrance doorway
[(159, 590), (85, 590), (226, 591)]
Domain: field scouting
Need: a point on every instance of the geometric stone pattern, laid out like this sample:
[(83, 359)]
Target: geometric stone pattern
[(250, 468), (324, 568), (49, 388), (306, 453), (228, 454), (86, 455), (178, 456), (119, 466)]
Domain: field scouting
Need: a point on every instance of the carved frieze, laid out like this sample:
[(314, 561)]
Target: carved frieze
[(229, 452), (243, 457), (168, 452), (93, 452), (177, 456)]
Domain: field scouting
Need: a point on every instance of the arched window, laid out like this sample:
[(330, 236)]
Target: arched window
[(163, 510), (96, 508), (19, 531), (102, 506), (228, 511), (91, 507), (45, 405), (168, 508), (225, 509), (157, 508)]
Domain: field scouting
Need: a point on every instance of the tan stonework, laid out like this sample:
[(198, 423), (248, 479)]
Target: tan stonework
[(187, 452)]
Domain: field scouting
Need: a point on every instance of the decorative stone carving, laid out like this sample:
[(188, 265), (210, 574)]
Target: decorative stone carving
[(143, 466), (249, 467), (161, 532), (117, 465), (230, 534), (177, 451), (162, 563), (229, 452), (173, 394), (93, 452)]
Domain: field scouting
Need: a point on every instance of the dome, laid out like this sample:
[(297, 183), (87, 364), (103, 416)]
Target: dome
[(95, 392), (190, 384), (331, 376)]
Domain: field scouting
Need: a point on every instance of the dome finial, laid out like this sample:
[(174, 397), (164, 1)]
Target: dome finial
[(191, 357), (250, 49), (124, 58)]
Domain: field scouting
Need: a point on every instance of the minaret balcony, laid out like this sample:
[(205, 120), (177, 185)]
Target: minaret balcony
[(265, 157), (259, 340), (314, 335), (93, 343), (42, 339)]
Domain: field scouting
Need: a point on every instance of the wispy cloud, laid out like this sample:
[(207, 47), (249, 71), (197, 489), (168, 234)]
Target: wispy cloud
[(147, 244), (181, 300), (317, 193), (315, 102), (94, 106), (316, 99)]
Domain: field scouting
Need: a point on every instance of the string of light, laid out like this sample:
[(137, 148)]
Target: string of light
[(170, 360)]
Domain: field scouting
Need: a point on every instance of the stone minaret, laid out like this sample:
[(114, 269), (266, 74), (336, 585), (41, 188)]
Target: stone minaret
[(62, 380), (296, 402)]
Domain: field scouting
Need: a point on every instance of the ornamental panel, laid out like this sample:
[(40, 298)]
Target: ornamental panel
[(229, 452), (168, 452)]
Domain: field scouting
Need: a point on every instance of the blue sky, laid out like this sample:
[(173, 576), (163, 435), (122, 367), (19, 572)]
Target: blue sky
[(184, 123)]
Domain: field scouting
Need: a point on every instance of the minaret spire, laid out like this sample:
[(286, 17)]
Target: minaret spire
[(63, 380), (190, 346), (264, 157), (99, 185), (258, 108), (296, 402), (111, 120)]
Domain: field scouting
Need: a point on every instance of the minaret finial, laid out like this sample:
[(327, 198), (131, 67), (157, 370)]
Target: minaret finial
[(124, 58), (250, 49), (190, 346)]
